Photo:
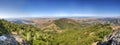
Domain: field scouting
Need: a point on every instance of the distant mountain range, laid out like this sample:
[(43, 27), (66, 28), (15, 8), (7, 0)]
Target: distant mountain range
[(42, 22)]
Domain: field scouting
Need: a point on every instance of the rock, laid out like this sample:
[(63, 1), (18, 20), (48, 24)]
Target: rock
[(94, 43), (7, 40), (2, 38), (111, 39)]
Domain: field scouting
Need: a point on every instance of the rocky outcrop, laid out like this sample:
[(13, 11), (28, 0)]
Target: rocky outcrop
[(111, 39), (7, 40), (18, 38)]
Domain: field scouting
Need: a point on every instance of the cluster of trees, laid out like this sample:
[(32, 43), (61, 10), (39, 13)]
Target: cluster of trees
[(76, 36)]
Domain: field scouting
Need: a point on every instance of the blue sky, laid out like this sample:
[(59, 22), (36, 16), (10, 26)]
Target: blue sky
[(58, 8)]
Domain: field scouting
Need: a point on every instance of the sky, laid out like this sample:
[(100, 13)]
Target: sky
[(59, 8)]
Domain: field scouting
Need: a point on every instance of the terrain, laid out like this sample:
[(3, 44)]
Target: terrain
[(57, 31)]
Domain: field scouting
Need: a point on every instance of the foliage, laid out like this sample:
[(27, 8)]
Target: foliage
[(79, 36)]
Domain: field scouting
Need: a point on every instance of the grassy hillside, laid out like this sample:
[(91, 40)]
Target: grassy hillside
[(75, 34)]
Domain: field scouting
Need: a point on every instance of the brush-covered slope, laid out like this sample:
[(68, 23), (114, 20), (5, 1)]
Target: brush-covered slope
[(3, 29), (15, 32), (62, 25), (84, 36), (8, 27), (75, 34), (65, 23)]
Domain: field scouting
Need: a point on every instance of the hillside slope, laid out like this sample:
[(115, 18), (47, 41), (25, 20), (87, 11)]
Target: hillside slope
[(64, 23), (75, 34)]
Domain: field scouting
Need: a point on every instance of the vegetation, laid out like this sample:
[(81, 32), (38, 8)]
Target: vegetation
[(74, 33)]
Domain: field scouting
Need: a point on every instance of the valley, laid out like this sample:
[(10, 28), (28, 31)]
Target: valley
[(58, 31)]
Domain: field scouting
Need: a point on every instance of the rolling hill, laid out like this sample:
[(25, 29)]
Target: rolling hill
[(63, 31)]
